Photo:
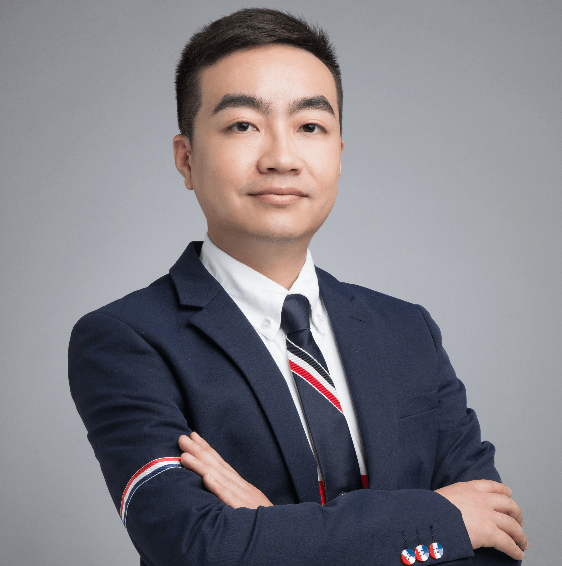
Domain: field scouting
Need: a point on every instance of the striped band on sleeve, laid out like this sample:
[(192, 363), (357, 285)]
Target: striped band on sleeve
[(147, 472)]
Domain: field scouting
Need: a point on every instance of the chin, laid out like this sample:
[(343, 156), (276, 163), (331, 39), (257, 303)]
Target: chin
[(280, 236), (277, 240)]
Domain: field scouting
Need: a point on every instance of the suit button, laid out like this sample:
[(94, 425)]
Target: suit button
[(408, 557), (343, 492), (422, 552), (436, 550)]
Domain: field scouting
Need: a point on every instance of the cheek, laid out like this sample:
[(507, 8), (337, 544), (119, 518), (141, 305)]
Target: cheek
[(230, 166), (328, 182), (324, 161)]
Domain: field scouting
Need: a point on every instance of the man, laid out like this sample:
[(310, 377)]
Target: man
[(337, 430)]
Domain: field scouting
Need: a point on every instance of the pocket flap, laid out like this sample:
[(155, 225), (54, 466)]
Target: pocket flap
[(417, 404)]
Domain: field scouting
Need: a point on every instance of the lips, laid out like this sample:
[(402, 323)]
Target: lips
[(279, 196), (279, 191)]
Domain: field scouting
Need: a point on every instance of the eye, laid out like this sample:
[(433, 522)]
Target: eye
[(241, 127), (312, 128)]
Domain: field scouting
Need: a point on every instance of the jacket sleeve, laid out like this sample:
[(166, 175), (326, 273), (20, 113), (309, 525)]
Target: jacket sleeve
[(134, 410), (461, 456)]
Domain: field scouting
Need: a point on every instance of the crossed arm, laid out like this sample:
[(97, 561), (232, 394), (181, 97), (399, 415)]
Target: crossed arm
[(491, 517), (128, 397)]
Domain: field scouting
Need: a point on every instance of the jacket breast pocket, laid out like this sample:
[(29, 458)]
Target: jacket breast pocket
[(418, 432), (417, 404)]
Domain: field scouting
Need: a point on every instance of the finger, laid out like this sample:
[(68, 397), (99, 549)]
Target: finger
[(218, 476), (183, 442), (212, 457), (215, 487), (199, 439), (504, 543), (194, 444), (513, 529), (233, 495), (202, 449), (186, 442), (204, 469), (229, 488), (243, 495), (188, 445), (507, 506), (208, 461), (218, 486), (490, 486), (193, 463)]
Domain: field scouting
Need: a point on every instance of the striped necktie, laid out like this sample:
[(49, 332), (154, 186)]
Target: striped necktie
[(331, 440)]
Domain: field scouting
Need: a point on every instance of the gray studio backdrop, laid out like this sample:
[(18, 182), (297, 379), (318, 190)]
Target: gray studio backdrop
[(450, 197)]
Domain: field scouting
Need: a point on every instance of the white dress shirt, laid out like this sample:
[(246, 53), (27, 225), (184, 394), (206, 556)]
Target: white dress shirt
[(261, 300)]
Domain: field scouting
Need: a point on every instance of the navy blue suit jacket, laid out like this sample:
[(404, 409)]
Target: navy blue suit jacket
[(179, 356)]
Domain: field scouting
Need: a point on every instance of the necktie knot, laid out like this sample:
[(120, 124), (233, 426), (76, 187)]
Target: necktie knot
[(295, 314)]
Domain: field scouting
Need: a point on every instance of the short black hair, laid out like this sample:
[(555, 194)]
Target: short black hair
[(245, 28)]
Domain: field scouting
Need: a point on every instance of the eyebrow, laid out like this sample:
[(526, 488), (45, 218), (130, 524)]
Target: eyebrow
[(316, 102), (245, 100), (242, 100)]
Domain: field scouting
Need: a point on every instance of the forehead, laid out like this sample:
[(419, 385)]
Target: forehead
[(276, 73)]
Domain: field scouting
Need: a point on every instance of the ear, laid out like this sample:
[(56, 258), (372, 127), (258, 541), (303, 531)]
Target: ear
[(182, 157), (341, 152)]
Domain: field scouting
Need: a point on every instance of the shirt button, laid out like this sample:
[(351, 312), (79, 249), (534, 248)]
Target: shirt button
[(265, 323)]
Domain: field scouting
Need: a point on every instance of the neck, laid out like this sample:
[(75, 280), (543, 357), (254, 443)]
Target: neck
[(280, 261)]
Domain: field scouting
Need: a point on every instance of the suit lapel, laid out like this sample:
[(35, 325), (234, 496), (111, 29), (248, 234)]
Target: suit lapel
[(359, 335), (223, 322)]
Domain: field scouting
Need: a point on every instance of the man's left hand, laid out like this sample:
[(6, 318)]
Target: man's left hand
[(219, 478)]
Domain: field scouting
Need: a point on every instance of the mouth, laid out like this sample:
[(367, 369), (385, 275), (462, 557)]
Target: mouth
[(279, 196), (279, 191)]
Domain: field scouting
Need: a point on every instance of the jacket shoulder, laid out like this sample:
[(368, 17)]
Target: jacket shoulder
[(373, 300), (143, 307)]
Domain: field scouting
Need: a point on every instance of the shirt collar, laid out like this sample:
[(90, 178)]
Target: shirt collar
[(257, 296)]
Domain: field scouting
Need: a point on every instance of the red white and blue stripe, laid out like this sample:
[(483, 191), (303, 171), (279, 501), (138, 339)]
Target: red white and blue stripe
[(329, 432), (147, 472), (305, 366)]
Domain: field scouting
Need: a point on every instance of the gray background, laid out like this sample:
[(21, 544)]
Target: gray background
[(450, 196)]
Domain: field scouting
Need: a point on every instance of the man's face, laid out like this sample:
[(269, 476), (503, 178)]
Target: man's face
[(264, 161)]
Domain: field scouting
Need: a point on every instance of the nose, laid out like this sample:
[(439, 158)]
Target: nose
[(280, 154)]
